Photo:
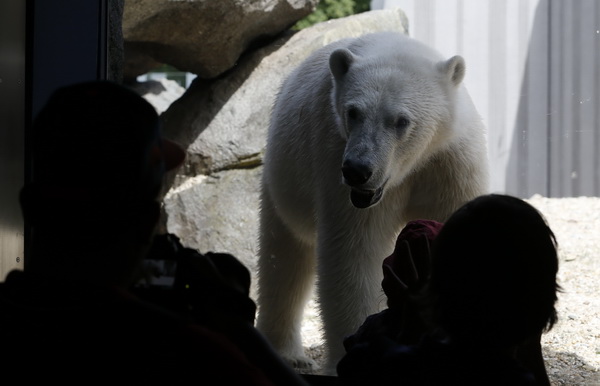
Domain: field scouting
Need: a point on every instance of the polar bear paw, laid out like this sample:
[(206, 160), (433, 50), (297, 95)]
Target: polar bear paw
[(301, 362)]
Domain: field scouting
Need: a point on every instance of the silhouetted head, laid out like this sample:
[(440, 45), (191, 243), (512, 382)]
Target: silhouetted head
[(494, 272), (98, 166)]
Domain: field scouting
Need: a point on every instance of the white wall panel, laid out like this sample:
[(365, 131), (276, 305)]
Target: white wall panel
[(533, 71)]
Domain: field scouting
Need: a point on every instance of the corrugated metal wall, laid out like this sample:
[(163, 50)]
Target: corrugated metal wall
[(574, 133), (533, 70)]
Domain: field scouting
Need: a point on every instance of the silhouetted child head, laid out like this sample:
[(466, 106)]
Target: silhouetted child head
[(494, 268)]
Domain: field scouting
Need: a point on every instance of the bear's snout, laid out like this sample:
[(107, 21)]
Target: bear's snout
[(356, 173)]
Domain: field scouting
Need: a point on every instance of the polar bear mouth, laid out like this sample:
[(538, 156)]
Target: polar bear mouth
[(365, 198)]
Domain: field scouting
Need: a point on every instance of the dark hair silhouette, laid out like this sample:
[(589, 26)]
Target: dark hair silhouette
[(494, 272)]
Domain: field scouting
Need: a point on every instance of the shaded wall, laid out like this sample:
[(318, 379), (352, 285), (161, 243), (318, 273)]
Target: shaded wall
[(12, 114)]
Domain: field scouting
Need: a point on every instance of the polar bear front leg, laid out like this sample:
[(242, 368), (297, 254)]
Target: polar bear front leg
[(286, 275), (349, 284)]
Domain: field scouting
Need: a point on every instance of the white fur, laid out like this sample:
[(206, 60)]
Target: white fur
[(309, 227)]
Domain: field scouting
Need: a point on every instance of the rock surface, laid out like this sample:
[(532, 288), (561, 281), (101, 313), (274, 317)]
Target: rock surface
[(202, 37), (218, 213)]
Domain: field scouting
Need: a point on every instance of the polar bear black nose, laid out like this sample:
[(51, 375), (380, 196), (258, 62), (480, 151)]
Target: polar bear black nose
[(356, 173)]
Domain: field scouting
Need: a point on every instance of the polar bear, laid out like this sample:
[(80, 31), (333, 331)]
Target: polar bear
[(365, 135)]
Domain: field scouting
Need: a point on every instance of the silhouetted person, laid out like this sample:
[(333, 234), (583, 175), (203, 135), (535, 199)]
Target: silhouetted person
[(93, 206), (213, 290), (491, 295)]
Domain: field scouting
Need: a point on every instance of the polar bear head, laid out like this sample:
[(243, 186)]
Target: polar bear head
[(395, 102)]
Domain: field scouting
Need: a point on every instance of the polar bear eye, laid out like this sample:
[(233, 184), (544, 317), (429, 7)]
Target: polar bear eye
[(402, 122), (353, 113)]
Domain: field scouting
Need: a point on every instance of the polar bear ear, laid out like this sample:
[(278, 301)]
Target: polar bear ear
[(340, 61), (454, 69)]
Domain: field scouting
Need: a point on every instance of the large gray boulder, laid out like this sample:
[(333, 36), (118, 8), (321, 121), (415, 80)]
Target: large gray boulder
[(224, 123), (217, 213), (199, 36)]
